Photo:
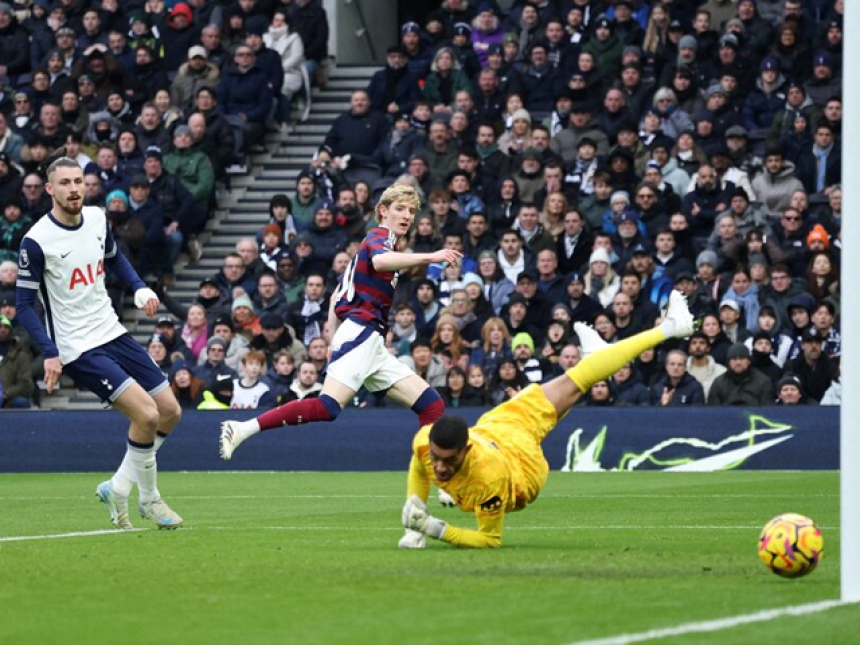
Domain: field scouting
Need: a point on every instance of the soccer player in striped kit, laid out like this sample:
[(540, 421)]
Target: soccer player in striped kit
[(359, 313), (62, 262)]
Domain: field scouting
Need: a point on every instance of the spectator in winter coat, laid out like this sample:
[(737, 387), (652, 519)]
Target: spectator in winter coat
[(397, 148), (814, 368), (191, 166), (357, 132), (582, 124), (308, 19), (762, 104), (149, 213), (702, 204), (629, 388), (14, 45), (446, 78), (790, 391), (677, 387), (393, 90), (244, 92), (742, 384), (700, 364), (178, 35), (775, 186), (16, 382), (326, 238), (287, 43), (821, 166), (195, 73)]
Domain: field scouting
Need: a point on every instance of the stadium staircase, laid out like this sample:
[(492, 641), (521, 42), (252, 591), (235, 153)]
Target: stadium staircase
[(243, 209)]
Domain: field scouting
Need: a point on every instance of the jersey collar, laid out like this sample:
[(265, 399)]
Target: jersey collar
[(64, 226)]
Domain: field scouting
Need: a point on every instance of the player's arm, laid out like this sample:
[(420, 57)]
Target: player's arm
[(397, 261), (490, 515), (333, 320), (418, 482), (144, 297), (488, 535), (31, 266)]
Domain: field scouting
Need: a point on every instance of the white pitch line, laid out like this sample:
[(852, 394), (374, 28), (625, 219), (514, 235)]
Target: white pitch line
[(27, 498), (626, 527), (58, 536), (716, 625)]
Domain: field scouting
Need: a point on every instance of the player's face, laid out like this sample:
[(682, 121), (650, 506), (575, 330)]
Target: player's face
[(66, 186), (447, 462), (398, 217)]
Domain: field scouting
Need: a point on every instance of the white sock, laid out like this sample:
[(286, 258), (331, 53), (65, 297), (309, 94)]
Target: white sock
[(247, 428), (158, 441), (123, 479), (145, 470)]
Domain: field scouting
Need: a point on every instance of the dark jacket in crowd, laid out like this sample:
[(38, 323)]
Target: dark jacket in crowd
[(751, 388)]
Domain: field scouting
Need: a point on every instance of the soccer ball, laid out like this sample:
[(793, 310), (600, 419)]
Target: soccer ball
[(791, 545)]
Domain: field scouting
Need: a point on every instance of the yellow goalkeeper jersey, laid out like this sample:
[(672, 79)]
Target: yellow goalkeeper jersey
[(504, 470)]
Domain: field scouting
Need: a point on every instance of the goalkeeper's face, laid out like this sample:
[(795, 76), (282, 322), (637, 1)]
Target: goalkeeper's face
[(447, 462)]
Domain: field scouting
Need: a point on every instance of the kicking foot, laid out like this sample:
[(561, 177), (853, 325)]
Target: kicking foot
[(232, 437), (678, 321), (160, 513), (118, 506), (445, 499), (412, 540), (589, 340)]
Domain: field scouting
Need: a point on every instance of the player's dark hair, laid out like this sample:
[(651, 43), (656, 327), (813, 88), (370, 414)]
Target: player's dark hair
[(450, 433)]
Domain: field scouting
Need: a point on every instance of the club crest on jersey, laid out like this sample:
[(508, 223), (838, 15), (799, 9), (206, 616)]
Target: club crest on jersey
[(492, 505), (85, 276)]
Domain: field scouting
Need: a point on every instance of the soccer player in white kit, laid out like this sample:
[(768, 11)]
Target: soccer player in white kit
[(62, 261)]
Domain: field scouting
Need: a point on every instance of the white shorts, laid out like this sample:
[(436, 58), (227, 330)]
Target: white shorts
[(359, 357)]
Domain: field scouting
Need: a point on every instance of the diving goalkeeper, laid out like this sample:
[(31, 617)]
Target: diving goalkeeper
[(498, 466)]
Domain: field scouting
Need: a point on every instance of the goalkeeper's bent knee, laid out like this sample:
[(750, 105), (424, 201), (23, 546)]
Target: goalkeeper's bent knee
[(604, 363)]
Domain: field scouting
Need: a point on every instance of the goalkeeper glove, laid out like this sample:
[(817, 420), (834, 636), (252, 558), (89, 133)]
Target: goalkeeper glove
[(445, 499), (412, 540), (142, 296), (416, 517)]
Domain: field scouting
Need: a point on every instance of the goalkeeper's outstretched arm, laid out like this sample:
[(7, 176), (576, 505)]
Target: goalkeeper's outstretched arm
[(488, 535), (490, 515)]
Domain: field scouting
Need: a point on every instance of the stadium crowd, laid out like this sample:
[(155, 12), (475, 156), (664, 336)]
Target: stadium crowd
[(586, 156)]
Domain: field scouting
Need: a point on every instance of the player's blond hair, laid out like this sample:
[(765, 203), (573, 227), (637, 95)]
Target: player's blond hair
[(398, 193)]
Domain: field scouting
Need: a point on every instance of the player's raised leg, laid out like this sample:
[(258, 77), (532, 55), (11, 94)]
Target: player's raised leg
[(604, 361), (143, 413), (326, 407), (415, 393)]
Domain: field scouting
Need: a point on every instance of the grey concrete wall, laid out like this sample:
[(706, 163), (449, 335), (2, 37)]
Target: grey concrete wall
[(354, 43)]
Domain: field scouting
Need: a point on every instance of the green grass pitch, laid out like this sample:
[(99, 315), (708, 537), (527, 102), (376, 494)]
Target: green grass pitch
[(311, 558)]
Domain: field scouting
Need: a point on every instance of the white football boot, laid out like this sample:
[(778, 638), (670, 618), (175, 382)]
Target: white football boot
[(117, 506)]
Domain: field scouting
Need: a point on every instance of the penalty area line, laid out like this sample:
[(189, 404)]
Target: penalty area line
[(718, 624), (60, 536)]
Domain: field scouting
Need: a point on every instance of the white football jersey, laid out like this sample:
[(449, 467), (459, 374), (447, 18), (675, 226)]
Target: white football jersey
[(66, 265), (247, 398)]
